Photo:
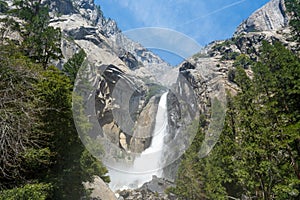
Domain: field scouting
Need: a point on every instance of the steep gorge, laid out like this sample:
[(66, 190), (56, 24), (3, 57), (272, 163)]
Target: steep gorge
[(122, 74), (205, 74)]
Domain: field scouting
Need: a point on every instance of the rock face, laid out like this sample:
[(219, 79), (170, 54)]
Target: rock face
[(270, 17), (208, 71), (157, 185), (119, 59), (153, 190), (84, 23), (144, 127), (64, 7), (99, 190), (128, 61), (204, 74), (84, 26)]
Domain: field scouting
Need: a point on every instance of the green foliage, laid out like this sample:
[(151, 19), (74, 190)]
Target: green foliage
[(293, 8), (242, 80), (9, 26), (73, 65), (223, 44), (231, 75), (19, 111), (73, 163), (273, 110), (264, 110), (189, 182), (38, 191), (91, 166), (37, 158), (39, 139), (229, 55), (154, 89), (208, 176), (243, 61), (3, 7), (41, 42), (240, 62), (258, 153)]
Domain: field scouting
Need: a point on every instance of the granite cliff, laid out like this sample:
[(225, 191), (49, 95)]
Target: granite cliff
[(84, 27), (208, 72)]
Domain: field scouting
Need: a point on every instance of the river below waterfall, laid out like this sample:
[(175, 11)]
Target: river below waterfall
[(148, 163)]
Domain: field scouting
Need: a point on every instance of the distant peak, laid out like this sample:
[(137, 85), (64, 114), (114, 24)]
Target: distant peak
[(271, 17)]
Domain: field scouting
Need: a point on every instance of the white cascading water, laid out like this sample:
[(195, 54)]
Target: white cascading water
[(149, 161)]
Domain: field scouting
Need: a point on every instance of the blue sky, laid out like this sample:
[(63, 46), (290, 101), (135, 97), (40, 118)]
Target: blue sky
[(202, 20)]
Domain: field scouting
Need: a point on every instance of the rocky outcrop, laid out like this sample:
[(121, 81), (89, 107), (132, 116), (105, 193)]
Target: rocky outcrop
[(99, 190), (195, 83), (123, 141), (129, 60), (108, 89), (150, 65), (65, 7), (113, 132), (119, 59), (207, 72), (84, 26), (174, 115), (157, 185), (86, 8), (271, 17), (202, 75), (153, 190), (185, 66)]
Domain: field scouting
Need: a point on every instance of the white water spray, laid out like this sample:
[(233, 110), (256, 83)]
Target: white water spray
[(149, 161)]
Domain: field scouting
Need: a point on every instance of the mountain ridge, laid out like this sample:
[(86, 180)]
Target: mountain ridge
[(86, 16), (212, 66), (270, 17), (84, 27)]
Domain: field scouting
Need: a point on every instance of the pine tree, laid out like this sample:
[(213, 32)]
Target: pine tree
[(263, 168), (257, 155), (3, 7), (41, 153), (73, 65), (41, 42), (293, 8)]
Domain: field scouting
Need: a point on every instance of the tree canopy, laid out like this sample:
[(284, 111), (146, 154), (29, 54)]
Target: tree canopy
[(41, 155), (258, 153)]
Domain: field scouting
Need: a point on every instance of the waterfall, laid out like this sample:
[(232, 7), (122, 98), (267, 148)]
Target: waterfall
[(149, 161)]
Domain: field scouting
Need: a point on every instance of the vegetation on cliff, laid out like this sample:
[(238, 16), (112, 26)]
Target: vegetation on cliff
[(293, 8), (41, 155), (258, 153)]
